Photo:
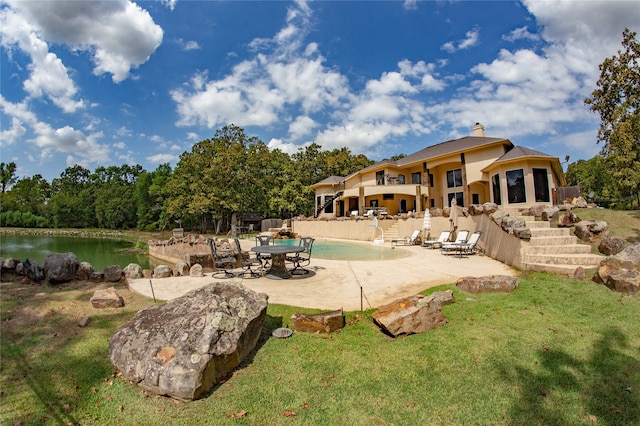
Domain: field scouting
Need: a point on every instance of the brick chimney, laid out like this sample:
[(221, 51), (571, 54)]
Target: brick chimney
[(478, 130)]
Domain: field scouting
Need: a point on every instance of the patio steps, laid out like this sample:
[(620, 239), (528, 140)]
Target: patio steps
[(555, 250), (391, 233)]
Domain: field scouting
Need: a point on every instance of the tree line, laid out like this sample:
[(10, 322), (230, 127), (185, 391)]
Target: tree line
[(233, 173), (226, 174)]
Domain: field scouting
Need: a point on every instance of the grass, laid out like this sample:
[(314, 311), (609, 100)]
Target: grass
[(555, 351)]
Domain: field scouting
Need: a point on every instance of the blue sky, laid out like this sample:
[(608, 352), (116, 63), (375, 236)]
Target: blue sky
[(116, 82)]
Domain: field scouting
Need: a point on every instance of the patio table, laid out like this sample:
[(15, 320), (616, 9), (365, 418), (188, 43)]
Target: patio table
[(278, 254)]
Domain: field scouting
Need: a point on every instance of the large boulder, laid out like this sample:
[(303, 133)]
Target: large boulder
[(630, 254), (60, 267), (183, 347), (162, 271), (112, 273), (85, 269), (323, 322), (610, 246), (107, 298), (488, 284), (414, 314), (622, 277), (196, 271), (132, 271), (568, 219), (589, 230)]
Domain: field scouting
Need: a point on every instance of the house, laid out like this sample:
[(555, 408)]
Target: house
[(473, 169)]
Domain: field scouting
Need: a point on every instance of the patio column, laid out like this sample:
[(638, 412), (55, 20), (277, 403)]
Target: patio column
[(418, 199), (361, 201)]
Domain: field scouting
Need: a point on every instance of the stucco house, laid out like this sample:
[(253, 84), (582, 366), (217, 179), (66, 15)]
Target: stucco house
[(473, 170)]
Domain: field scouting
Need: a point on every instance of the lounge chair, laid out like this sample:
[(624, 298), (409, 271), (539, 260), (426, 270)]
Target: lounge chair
[(434, 244), (411, 240), (469, 247), (450, 247), (303, 258)]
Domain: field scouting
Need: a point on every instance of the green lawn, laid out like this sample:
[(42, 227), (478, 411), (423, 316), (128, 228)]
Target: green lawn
[(555, 351)]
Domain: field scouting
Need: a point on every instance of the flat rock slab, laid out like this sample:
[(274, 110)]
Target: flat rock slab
[(488, 284), (183, 347), (323, 322), (413, 314), (107, 298)]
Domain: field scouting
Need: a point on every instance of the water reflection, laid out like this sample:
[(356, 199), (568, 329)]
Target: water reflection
[(98, 252)]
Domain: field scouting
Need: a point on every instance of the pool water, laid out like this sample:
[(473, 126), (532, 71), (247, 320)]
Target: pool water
[(342, 250)]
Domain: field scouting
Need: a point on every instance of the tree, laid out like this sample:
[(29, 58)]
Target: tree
[(616, 99), (7, 175), (219, 177), (594, 176)]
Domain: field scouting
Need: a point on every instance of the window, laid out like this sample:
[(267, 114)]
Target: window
[(402, 179), (495, 184), (515, 186), (454, 178), (475, 198), (416, 178), (387, 196), (431, 180), (459, 196), (541, 185), (328, 200), (380, 178)]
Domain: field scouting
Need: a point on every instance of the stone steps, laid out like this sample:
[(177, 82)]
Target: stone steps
[(391, 233), (555, 250), (579, 259)]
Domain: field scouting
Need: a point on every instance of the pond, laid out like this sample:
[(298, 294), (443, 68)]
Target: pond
[(97, 251), (345, 250)]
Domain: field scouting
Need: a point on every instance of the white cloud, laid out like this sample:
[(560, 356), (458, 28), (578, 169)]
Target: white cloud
[(49, 77), (410, 4), (535, 92), (162, 158), (301, 127), (14, 134), (470, 40), (520, 34), (283, 73), (119, 35), (50, 140)]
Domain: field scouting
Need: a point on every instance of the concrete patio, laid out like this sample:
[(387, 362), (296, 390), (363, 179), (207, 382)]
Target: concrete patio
[(339, 284)]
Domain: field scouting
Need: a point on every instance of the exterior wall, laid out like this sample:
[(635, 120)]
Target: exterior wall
[(479, 159), (495, 242), (527, 168)]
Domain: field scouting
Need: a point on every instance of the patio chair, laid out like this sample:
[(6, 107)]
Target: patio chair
[(303, 258), (469, 247), (248, 263), (411, 240), (264, 240), (444, 236), (462, 238), (224, 260)]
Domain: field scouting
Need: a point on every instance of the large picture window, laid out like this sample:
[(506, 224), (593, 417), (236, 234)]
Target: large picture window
[(454, 178), (515, 187), (541, 185), (416, 178)]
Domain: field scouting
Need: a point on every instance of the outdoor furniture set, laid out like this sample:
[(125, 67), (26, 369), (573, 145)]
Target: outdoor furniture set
[(270, 259)]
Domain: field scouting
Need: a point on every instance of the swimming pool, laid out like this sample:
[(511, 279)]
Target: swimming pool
[(343, 250)]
